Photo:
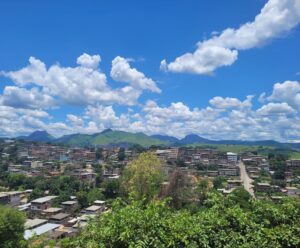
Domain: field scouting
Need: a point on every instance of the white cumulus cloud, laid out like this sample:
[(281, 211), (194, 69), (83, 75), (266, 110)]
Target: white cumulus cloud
[(121, 71), (276, 18)]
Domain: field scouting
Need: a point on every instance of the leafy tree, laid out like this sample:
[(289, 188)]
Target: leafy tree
[(218, 182), (111, 188), (94, 194), (99, 153), (121, 154), (241, 197), (36, 193), (143, 176), (218, 224), (11, 228), (175, 189), (202, 190), (82, 199)]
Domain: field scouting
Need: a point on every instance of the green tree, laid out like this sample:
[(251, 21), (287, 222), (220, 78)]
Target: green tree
[(82, 199), (121, 154), (94, 194), (143, 176), (215, 225), (11, 228), (218, 182), (111, 188)]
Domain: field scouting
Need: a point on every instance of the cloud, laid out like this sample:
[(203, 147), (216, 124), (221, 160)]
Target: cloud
[(89, 61), (121, 71), (75, 120), (276, 109), (17, 121), (228, 102), (38, 88), (106, 117), (276, 18), (288, 91), (84, 84), (22, 98)]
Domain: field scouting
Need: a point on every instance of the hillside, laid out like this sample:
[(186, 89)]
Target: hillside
[(110, 137), (41, 136)]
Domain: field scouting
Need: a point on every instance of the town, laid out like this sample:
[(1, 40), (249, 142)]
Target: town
[(60, 188)]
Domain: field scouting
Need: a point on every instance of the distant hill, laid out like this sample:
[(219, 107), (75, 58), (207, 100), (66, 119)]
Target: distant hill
[(166, 138), (194, 139), (40, 136), (111, 137)]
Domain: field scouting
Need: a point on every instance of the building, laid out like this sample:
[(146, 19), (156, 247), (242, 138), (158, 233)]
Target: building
[(42, 203), (263, 187), (234, 171), (12, 198), (69, 206), (60, 218), (33, 223), (85, 177), (293, 164), (94, 209), (292, 191), (43, 229), (233, 184), (233, 157), (51, 211)]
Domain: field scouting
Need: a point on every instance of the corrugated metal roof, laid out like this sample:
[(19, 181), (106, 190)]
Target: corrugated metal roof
[(40, 230), (31, 223), (44, 199)]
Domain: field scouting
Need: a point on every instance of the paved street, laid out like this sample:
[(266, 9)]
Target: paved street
[(247, 181)]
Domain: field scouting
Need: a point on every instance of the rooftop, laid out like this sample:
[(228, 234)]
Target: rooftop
[(231, 154), (93, 208), (60, 216), (52, 210), (32, 223), (40, 230), (44, 199), (69, 202)]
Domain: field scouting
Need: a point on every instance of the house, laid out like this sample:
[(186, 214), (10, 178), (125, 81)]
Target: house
[(43, 229), (42, 203), (263, 187), (234, 171), (212, 173), (24, 207), (69, 206), (276, 198), (60, 218), (265, 166), (232, 156), (33, 223), (4, 198), (293, 164), (100, 203), (82, 221), (12, 198), (94, 209), (292, 191), (85, 177), (233, 183), (51, 211)]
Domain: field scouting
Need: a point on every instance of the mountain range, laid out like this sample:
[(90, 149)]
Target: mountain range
[(111, 137)]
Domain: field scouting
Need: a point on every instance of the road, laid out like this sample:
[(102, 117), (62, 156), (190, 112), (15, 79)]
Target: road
[(247, 181)]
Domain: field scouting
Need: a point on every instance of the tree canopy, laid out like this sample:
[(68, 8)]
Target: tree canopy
[(11, 228)]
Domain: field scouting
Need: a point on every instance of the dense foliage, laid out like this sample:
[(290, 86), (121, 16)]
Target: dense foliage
[(220, 222), (11, 228), (187, 212)]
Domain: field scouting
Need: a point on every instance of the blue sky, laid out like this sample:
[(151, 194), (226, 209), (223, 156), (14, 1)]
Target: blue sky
[(245, 48)]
